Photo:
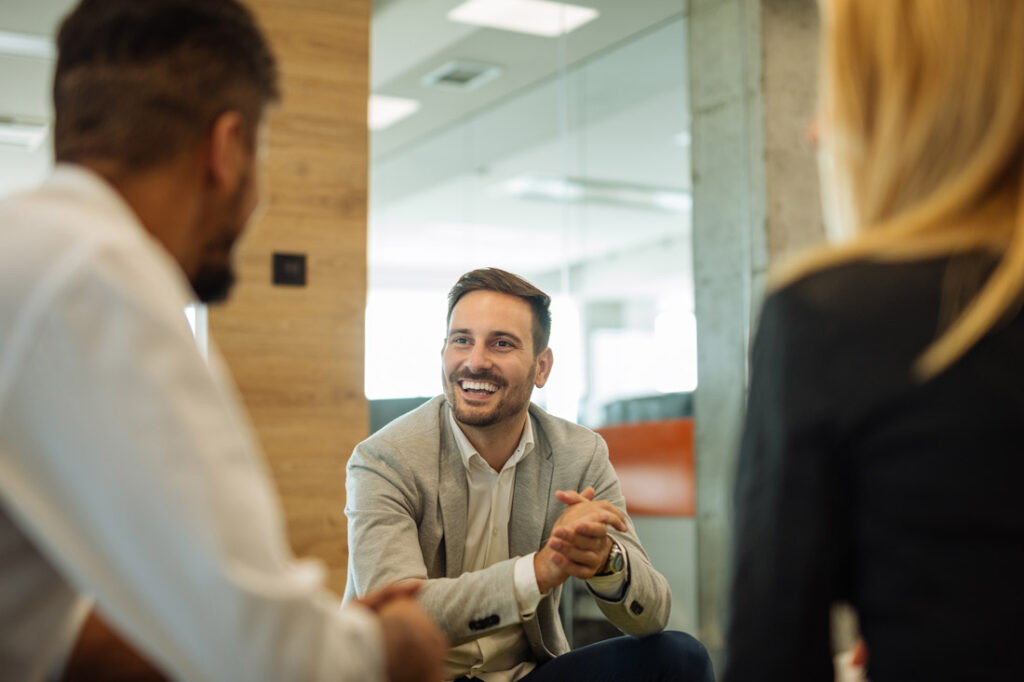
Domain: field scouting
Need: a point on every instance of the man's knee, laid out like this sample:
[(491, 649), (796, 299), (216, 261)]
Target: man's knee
[(688, 654)]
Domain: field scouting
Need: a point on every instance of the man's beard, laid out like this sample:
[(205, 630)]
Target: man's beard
[(512, 403), (213, 283)]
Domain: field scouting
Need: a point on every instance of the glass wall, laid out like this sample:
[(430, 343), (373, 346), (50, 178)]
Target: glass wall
[(562, 157)]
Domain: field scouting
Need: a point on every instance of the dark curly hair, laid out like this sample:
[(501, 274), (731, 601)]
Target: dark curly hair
[(138, 81)]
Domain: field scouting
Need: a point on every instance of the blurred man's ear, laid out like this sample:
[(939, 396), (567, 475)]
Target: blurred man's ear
[(229, 152)]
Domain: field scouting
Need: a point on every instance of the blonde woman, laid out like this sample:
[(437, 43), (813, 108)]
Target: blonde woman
[(882, 461)]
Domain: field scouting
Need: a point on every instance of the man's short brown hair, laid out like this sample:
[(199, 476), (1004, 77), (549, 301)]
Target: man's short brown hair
[(140, 81), (493, 279)]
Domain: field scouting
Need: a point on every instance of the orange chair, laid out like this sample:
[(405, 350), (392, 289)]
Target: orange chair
[(655, 464)]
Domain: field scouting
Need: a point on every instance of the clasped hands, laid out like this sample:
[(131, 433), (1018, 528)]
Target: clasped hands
[(579, 542), (414, 646)]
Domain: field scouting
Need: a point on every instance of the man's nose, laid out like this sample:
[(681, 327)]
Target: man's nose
[(478, 358)]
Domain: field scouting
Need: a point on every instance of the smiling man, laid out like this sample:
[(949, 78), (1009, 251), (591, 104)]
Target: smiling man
[(491, 504)]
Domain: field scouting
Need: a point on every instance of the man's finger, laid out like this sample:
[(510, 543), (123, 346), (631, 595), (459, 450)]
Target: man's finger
[(616, 521), (573, 497), (591, 560), (569, 497), (592, 530), (573, 568), (579, 542), (618, 516), (596, 525)]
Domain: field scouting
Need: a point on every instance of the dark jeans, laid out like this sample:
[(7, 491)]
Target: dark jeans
[(666, 657)]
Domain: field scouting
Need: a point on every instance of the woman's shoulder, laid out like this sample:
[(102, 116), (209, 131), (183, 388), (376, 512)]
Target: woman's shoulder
[(873, 289)]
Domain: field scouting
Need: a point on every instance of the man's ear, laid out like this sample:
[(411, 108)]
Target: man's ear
[(228, 155), (544, 362)]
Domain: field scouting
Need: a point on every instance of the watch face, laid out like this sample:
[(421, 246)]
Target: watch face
[(615, 563), (615, 560)]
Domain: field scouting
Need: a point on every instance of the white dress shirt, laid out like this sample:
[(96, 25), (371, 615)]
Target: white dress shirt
[(129, 471), (504, 656)]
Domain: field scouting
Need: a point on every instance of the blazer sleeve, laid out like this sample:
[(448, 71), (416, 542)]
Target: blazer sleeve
[(789, 532), (383, 505), (645, 606)]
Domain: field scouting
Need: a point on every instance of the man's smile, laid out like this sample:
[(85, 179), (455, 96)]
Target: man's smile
[(478, 388)]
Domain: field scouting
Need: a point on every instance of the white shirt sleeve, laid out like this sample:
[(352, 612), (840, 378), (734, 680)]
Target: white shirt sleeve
[(527, 592), (131, 464)]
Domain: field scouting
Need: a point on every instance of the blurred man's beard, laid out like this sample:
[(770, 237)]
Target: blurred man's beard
[(212, 284)]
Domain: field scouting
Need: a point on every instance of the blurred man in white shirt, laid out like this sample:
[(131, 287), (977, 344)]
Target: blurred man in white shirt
[(128, 469)]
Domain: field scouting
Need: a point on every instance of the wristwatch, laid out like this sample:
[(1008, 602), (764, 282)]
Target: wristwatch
[(615, 563)]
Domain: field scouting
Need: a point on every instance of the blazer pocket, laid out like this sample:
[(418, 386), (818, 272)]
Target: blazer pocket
[(484, 623)]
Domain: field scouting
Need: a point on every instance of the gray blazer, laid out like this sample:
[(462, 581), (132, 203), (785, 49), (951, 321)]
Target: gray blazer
[(407, 514)]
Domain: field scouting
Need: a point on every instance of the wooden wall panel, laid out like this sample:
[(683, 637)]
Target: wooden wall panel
[(297, 353)]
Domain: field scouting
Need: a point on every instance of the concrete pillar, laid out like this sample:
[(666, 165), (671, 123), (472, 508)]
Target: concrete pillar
[(752, 83)]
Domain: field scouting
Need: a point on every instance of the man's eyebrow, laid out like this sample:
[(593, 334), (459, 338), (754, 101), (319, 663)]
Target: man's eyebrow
[(509, 335), (453, 332)]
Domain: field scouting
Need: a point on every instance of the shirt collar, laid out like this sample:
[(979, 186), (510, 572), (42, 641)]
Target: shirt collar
[(77, 179), (468, 452)]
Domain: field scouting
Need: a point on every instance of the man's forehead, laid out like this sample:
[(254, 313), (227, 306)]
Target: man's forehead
[(491, 310)]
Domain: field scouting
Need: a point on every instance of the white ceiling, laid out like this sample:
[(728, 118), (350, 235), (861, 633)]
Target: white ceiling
[(413, 37), (606, 104)]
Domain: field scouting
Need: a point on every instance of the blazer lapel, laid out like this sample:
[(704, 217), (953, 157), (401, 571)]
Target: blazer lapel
[(453, 493), (531, 498)]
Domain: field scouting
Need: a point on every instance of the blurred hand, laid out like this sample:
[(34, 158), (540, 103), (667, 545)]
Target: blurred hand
[(414, 647), (579, 539), (405, 589), (101, 654)]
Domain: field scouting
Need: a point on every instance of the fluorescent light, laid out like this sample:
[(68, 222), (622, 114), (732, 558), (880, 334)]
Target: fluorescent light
[(24, 133), (536, 17), (544, 187), (386, 111), (555, 188), (24, 45)]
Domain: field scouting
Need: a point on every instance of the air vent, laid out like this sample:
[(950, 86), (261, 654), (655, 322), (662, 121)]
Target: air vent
[(461, 75)]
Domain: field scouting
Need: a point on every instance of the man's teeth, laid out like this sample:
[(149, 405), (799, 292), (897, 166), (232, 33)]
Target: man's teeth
[(479, 386)]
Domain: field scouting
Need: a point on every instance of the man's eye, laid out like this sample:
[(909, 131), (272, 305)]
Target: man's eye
[(460, 339), (503, 344)]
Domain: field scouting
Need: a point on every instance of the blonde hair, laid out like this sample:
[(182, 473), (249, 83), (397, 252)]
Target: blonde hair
[(923, 105)]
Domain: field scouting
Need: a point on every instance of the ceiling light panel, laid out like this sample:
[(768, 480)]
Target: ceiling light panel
[(24, 45), (386, 111), (27, 134), (581, 190), (535, 17)]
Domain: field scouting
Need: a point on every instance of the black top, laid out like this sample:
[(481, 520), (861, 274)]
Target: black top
[(857, 482)]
